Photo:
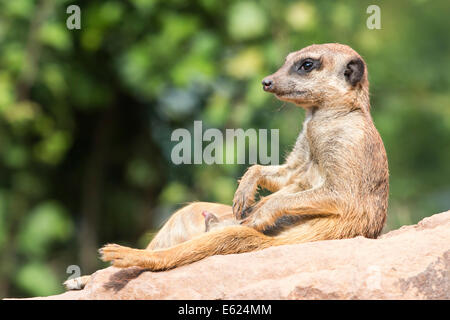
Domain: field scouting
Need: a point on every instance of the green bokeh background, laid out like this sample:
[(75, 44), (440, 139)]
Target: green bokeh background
[(86, 115)]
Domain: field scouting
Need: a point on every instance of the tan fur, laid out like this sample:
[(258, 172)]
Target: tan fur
[(187, 223), (76, 283), (214, 222), (333, 185)]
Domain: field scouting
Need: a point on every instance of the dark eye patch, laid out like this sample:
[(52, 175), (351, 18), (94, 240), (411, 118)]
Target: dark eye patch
[(304, 66)]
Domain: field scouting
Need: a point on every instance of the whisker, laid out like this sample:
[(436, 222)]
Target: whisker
[(282, 106)]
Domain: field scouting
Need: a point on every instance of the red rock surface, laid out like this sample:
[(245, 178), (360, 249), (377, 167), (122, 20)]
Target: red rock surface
[(410, 263)]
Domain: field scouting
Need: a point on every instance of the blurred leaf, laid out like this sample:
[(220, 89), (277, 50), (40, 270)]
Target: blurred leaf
[(217, 110), (177, 103), (18, 8), (13, 56), (44, 125), (91, 38), (53, 148), (177, 28), (3, 221), (144, 5), (140, 173), (246, 63), (21, 112), (6, 92), (301, 16), (37, 279), (55, 35), (28, 184), (16, 156), (47, 223), (223, 189), (54, 78), (246, 20), (342, 15), (175, 193)]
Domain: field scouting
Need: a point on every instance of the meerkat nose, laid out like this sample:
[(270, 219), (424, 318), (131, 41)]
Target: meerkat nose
[(267, 84)]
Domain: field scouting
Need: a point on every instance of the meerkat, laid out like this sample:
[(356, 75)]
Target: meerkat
[(333, 185), (211, 220), (214, 222)]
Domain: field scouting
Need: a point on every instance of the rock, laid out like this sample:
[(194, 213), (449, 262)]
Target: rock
[(410, 263)]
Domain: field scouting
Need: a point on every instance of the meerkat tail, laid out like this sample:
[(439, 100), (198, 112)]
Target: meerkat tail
[(76, 283)]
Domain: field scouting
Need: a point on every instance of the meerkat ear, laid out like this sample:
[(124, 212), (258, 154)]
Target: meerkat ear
[(354, 71)]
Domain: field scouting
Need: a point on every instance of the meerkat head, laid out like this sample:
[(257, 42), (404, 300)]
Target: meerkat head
[(213, 222), (323, 74), (210, 220)]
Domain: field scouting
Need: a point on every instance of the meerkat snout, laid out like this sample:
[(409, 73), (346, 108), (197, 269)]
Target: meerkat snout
[(267, 84)]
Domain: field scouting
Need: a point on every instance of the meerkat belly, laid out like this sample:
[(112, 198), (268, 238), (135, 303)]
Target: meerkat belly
[(310, 179)]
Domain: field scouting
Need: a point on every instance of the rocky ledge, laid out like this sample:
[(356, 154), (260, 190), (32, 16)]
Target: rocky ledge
[(412, 262)]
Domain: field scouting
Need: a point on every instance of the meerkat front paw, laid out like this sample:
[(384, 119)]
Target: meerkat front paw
[(262, 216), (244, 197), (120, 256), (257, 221), (242, 204)]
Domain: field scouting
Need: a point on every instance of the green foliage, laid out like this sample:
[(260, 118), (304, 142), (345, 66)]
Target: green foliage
[(37, 279), (3, 222), (246, 20), (46, 224), (86, 115)]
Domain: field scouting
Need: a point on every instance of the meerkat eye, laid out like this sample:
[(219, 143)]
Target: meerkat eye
[(307, 66)]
